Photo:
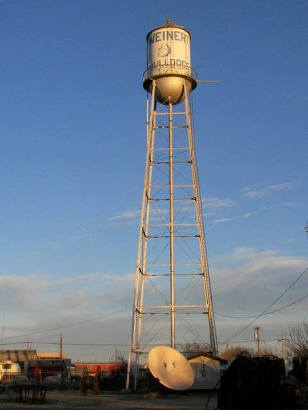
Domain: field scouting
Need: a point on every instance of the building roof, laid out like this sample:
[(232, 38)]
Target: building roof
[(208, 355), (17, 355), (50, 355)]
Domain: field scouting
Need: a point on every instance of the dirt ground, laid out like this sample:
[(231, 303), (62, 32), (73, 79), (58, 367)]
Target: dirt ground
[(115, 401)]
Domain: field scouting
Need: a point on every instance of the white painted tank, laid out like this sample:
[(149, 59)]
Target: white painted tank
[(168, 62)]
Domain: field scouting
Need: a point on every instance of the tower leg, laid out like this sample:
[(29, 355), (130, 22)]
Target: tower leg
[(171, 228), (199, 214), (140, 266)]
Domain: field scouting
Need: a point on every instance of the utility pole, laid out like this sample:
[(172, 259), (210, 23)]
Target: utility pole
[(257, 339), (60, 346), (283, 347), (2, 331)]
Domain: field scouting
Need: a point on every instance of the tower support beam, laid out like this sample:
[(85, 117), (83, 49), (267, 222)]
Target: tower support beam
[(168, 223)]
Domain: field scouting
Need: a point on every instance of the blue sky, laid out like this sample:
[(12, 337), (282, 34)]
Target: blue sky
[(72, 158)]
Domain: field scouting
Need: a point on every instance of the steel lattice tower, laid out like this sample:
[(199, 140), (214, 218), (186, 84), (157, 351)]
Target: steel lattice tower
[(172, 275)]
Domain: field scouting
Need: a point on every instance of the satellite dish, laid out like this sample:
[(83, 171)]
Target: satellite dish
[(171, 368)]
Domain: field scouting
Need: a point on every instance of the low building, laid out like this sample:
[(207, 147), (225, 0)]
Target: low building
[(40, 369), (207, 369), (50, 355), (9, 371), (22, 357), (91, 369), (36, 365)]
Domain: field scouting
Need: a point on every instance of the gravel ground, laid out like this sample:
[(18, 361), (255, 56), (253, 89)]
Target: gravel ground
[(114, 401)]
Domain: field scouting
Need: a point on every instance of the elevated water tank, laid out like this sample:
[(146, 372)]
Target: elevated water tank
[(168, 62)]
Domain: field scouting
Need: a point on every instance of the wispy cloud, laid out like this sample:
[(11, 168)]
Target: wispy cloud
[(229, 219), (131, 216), (221, 220), (244, 281), (125, 217), (247, 215), (214, 203), (23, 292), (36, 302), (262, 192), (254, 278)]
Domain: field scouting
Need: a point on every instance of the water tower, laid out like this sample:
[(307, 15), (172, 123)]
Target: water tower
[(172, 296)]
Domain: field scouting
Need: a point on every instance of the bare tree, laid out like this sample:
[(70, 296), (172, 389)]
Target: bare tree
[(120, 356), (232, 352), (194, 349), (266, 350), (298, 339)]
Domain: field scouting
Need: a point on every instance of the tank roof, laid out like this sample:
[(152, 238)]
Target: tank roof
[(171, 25)]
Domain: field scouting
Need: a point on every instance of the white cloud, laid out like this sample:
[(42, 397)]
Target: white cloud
[(82, 306), (247, 280), (247, 215), (98, 305), (212, 206), (221, 220), (224, 220), (126, 217), (260, 193), (32, 294), (252, 278), (214, 203), (131, 216)]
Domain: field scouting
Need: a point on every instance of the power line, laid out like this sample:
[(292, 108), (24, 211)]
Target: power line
[(267, 313), (120, 344), (66, 325), (253, 341), (255, 318), (64, 343), (265, 310)]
